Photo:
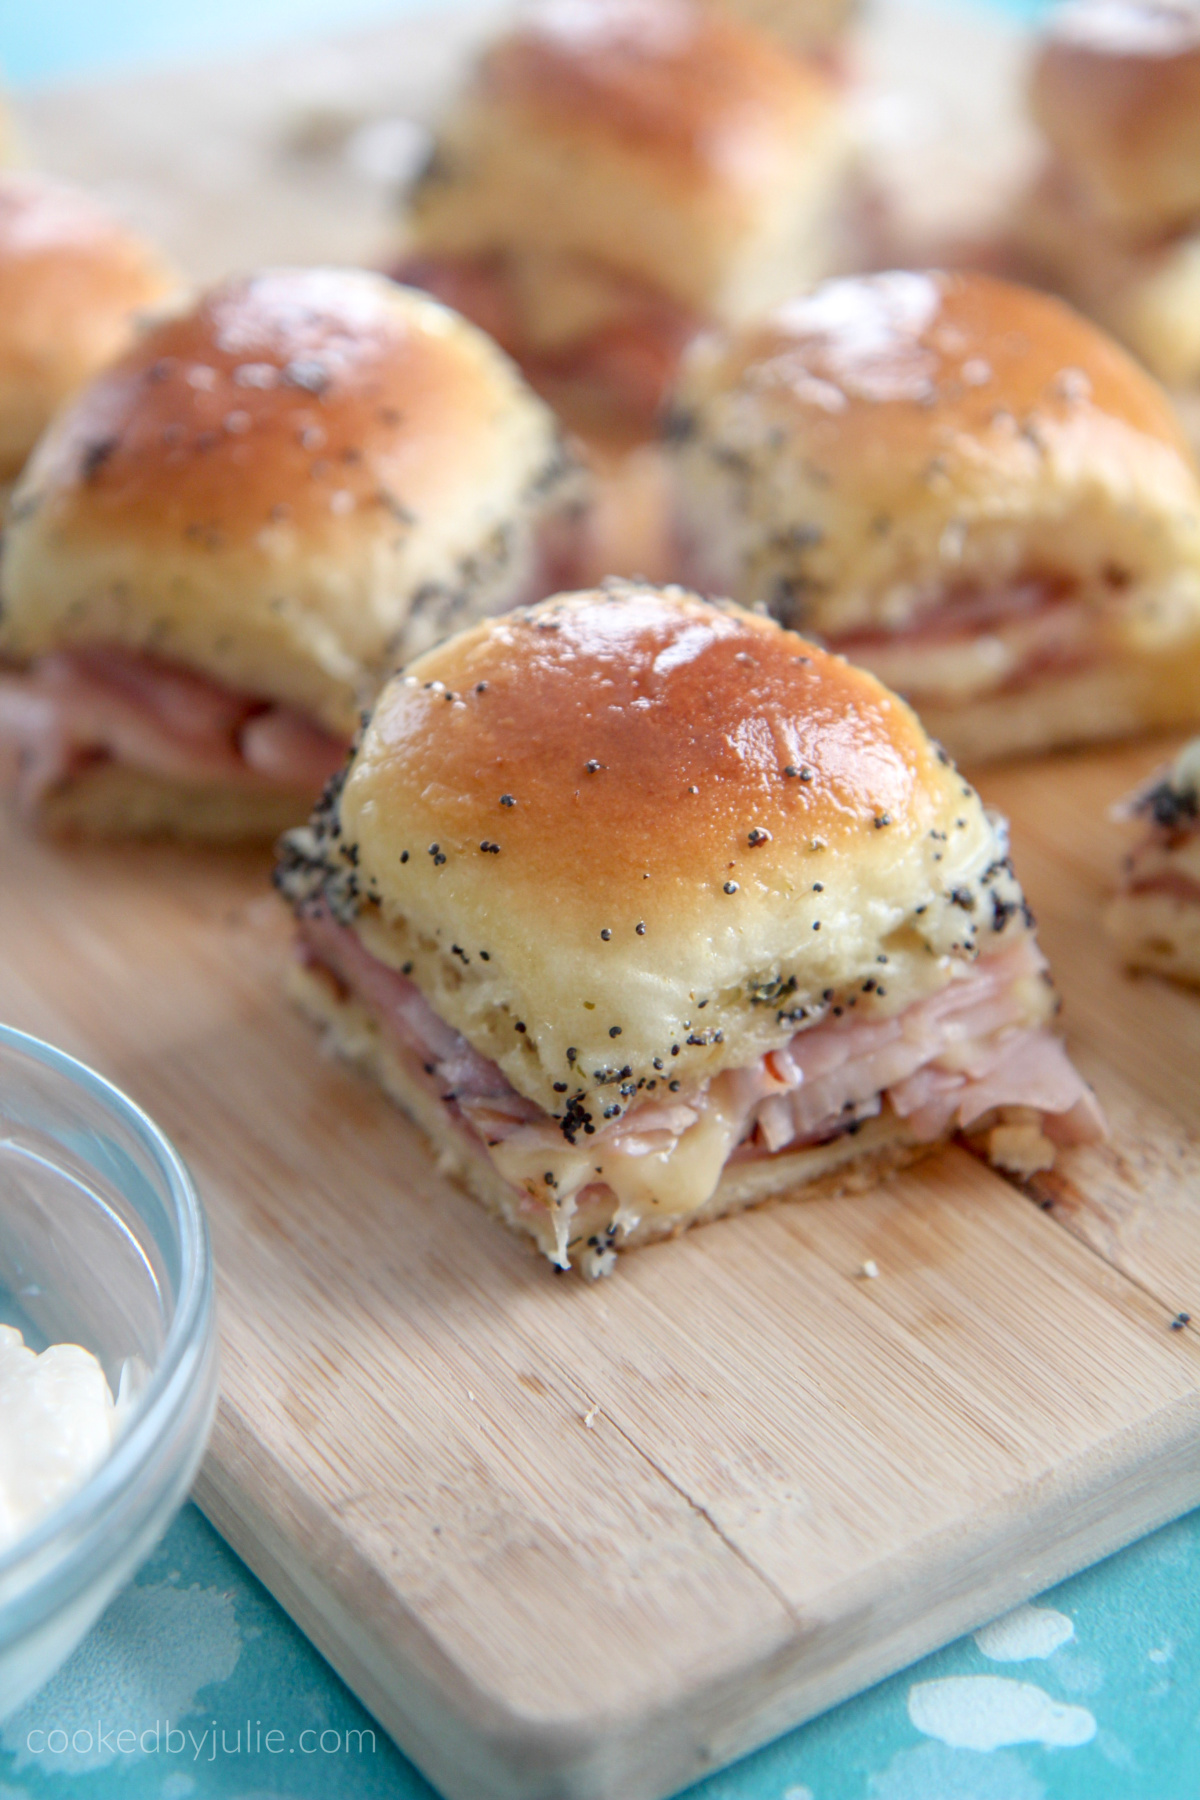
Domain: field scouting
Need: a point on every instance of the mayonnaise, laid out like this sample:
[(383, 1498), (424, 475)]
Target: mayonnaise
[(57, 1421)]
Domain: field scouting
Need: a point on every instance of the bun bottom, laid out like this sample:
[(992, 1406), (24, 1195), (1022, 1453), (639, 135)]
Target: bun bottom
[(850, 1164), (113, 801), (1159, 932), (1130, 699)]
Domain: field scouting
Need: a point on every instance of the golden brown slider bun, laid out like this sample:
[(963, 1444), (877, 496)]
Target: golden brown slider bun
[(605, 871), (964, 485), (308, 476), (813, 27), (73, 284), (648, 140), (1116, 90), (720, 810)]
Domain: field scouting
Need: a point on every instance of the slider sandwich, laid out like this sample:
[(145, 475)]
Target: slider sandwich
[(74, 284), (1113, 218), (963, 486), (1155, 917), (647, 910), (223, 547), (617, 174)]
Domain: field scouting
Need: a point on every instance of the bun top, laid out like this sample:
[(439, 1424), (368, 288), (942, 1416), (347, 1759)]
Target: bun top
[(267, 485), (888, 441), (665, 79), (653, 139), (72, 284), (1116, 89), (632, 828)]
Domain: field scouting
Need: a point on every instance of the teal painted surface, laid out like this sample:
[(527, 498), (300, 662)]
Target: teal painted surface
[(64, 40), (198, 1642)]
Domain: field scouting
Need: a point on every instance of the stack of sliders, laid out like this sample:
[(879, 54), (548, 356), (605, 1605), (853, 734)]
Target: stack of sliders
[(648, 909), (222, 548), (619, 173), (963, 486), (1155, 917), (1113, 220), (74, 284)]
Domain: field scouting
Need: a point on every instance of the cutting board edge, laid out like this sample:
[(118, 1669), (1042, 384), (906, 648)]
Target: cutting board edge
[(656, 1755)]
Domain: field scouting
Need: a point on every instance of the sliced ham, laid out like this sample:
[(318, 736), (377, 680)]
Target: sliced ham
[(940, 1064), (74, 708), (994, 642)]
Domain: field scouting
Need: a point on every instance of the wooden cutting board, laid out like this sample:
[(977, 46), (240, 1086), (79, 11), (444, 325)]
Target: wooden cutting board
[(575, 1539), (597, 1540)]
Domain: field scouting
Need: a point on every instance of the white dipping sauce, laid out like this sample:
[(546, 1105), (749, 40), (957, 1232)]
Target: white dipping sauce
[(57, 1421)]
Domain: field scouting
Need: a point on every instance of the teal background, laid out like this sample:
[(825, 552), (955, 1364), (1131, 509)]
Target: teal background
[(197, 1641), (63, 40)]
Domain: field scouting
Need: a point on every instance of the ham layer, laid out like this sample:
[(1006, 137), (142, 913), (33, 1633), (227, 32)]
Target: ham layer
[(76, 708), (995, 642), (939, 1065)]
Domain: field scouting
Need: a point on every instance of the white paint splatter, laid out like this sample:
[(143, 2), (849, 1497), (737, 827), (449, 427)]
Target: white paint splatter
[(149, 1657), (935, 1772), (982, 1712), (1161, 1655), (797, 1793), (1025, 1633)]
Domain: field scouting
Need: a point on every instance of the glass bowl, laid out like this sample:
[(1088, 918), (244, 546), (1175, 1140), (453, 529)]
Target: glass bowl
[(103, 1243)]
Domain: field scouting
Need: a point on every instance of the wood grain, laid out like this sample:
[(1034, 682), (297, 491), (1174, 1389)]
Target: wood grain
[(595, 1541), (573, 1539)]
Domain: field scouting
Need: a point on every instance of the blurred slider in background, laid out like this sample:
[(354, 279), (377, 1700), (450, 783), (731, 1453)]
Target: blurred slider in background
[(965, 487), (618, 174), (1113, 218), (223, 547)]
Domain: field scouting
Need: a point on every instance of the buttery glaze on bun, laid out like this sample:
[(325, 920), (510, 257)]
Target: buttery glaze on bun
[(1116, 90), (287, 489), (963, 484), (73, 285), (626, 844)]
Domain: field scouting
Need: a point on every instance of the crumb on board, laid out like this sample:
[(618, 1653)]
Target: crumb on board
[(869, 1271), (589, 1417)]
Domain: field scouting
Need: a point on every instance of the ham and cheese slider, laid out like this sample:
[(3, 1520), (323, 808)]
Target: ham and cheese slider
[(223, 547), (647, 910), (965, 487), (74, 283), (617, 173), (1155, 917), (1113, 219)]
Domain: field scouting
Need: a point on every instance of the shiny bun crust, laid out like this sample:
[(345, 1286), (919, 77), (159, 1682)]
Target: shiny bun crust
[(667, 142), (73, 282), (629, 836), (889, 441), (308, 476), (1116, 90)]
